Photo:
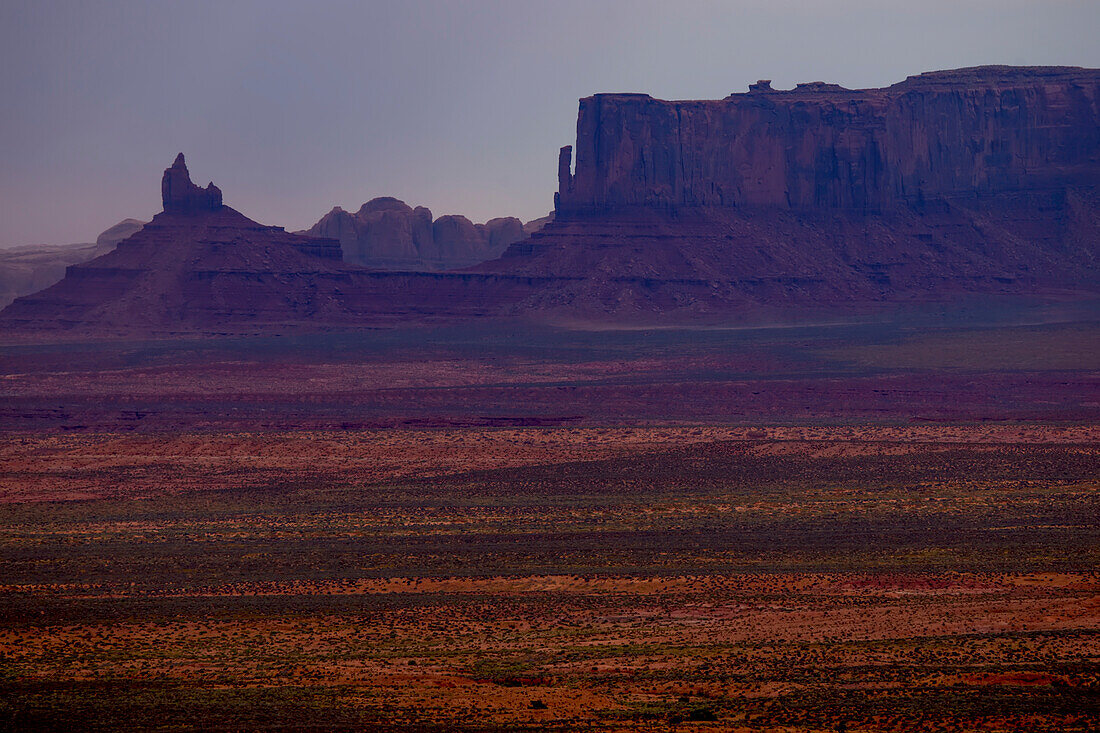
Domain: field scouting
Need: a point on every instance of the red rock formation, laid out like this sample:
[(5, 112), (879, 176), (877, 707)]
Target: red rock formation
[(942, 135), (25, 270), (385, 220), (179, 195), (978, 181), (501, 232), (535, 225), (819, 201), (387, 234), (198, 265)]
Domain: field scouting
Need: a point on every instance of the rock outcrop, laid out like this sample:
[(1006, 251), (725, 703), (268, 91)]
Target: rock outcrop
[(950, 135), (28, 269), (180, 196), (979, 186), (976, 182), (198, 265), (386, 233)]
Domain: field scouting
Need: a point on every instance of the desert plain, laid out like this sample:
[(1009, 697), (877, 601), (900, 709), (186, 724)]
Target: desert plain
[(837, 527)]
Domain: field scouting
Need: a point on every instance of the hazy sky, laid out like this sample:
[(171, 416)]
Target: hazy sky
[(294, 107)]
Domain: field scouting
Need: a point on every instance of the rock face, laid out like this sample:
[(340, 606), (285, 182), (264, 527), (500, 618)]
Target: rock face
[(535, 225), (180, 196), (948, 185), (955, 135), (388, 234)]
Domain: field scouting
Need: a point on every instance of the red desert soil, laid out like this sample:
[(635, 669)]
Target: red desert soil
[(873, 578), (68, 467)]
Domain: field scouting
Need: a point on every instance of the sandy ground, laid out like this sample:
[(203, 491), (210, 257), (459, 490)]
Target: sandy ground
[(692, 578), (54, 467)]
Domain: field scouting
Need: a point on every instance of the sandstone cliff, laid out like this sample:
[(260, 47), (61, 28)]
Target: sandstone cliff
[(181, 196), (25, 270), (949, 185), (950, 135)]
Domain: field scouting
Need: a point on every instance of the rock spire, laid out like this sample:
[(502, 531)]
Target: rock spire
[(180, 196)]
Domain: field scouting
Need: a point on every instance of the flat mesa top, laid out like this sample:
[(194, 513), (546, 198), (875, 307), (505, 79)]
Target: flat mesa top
[(990, 76)]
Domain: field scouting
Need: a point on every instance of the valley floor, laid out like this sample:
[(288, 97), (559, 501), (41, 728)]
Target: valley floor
[(862, 528), (710, 578)]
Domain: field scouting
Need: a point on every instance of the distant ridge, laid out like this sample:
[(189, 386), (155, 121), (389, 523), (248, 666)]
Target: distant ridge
[(387, 233), (25, 270)]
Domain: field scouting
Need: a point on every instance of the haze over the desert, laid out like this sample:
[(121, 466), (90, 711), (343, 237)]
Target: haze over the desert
[(456, 106)]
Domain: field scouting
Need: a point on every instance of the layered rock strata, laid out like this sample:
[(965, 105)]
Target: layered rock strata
[(979, 181), (948, 135), (766, 206), (198, 265)]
